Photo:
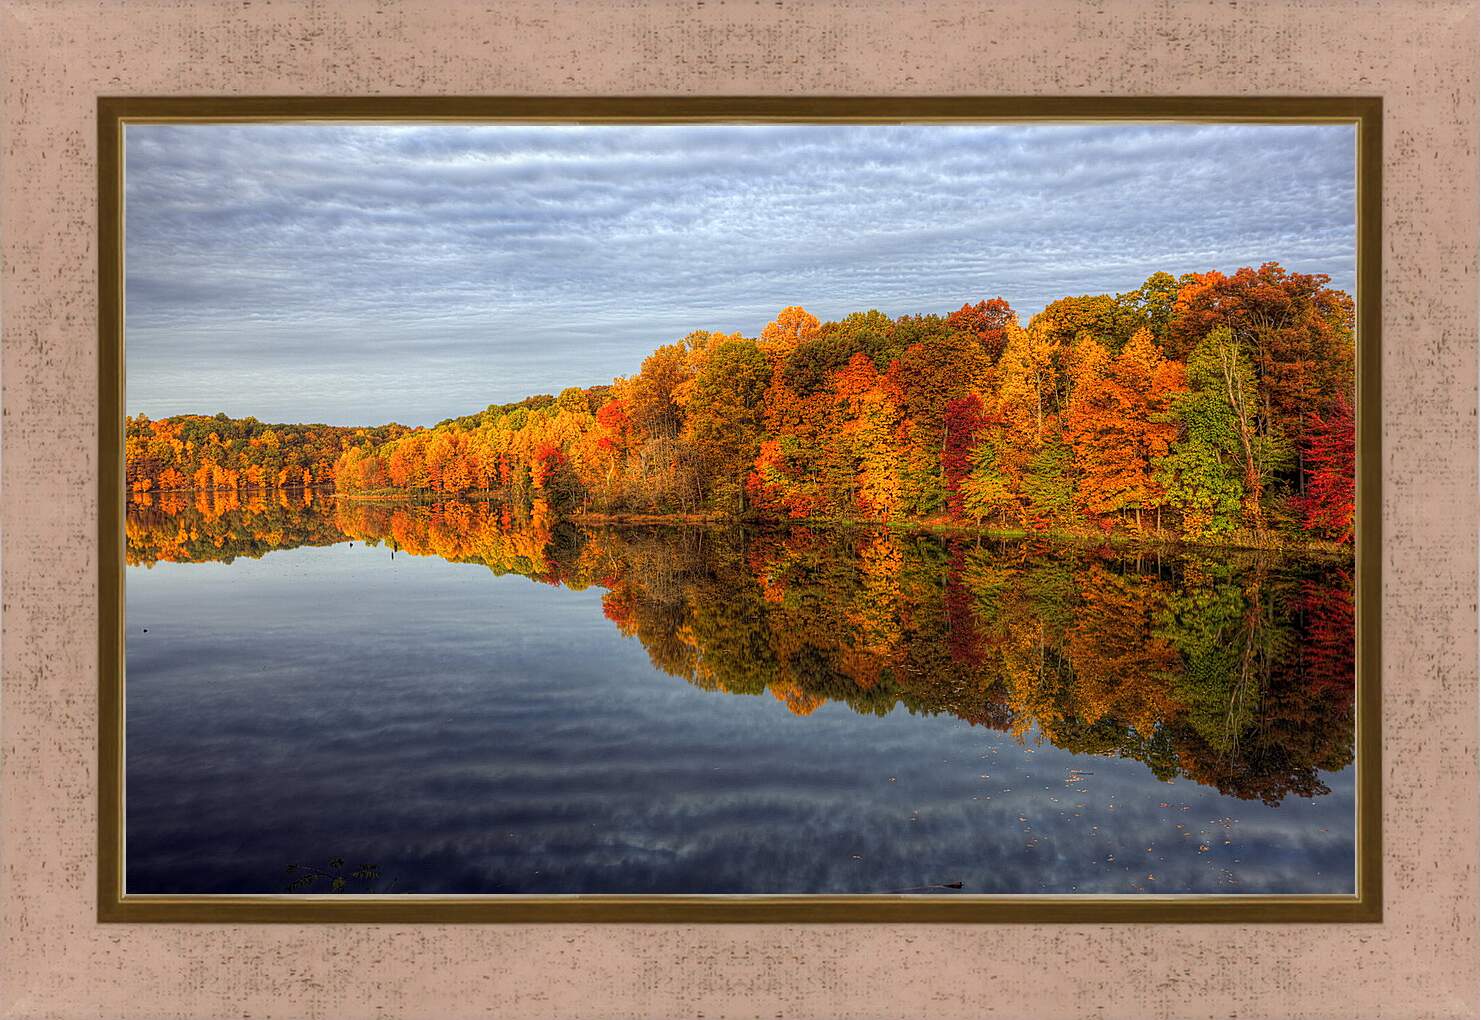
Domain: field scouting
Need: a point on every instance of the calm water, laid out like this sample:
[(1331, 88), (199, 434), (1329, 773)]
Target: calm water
[(472, 704)]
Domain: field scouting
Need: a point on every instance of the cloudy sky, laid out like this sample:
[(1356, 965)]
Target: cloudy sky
[(356, 274)]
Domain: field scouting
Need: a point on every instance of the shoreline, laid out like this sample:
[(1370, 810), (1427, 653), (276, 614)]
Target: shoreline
[(1149, 541)]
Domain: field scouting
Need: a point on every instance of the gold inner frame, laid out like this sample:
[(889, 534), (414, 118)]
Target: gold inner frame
[(1365, 905)]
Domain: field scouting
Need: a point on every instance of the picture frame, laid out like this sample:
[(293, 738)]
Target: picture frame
[(1366, 905), (58, 960)]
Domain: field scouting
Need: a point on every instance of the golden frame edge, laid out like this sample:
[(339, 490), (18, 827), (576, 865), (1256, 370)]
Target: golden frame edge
[(1365, 112)]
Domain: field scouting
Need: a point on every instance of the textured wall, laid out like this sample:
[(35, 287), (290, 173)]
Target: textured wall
[(57, 57)]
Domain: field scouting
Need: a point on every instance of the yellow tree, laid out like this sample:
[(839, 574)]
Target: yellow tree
[(1020, 431), (870, 432), (1026, 379), (793, 325), (1153, 384)]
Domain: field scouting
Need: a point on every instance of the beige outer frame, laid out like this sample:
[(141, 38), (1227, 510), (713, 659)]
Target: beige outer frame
[(55, 960)]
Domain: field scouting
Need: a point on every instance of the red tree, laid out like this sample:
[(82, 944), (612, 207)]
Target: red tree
[(545, 462), (616, 426), (1332, 464), (987, 321), (965, 419)]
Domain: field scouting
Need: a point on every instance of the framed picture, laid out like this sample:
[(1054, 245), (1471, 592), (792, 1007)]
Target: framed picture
[(739, 509)]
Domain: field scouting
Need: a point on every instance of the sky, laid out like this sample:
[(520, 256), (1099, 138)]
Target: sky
[(365, 273)]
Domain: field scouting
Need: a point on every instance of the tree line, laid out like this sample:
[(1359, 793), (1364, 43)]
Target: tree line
[(1218, 407), (216, 453)]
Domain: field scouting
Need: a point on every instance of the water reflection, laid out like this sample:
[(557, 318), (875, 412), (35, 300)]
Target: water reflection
[(1228, 673)]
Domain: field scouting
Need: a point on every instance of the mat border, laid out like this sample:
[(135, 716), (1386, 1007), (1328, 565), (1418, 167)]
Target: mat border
[(1366, 905)]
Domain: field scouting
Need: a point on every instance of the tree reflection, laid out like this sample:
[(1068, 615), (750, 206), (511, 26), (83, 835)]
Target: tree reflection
[(1233, 670)]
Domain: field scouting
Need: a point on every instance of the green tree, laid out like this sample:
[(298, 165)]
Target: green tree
[(1150, 306), (724, 417), (1209, 472), (1048, 487)]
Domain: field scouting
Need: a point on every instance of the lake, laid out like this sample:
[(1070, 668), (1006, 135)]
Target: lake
[(325, 694)]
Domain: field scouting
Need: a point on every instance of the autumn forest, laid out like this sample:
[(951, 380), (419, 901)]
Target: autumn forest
[(1211, 408)]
